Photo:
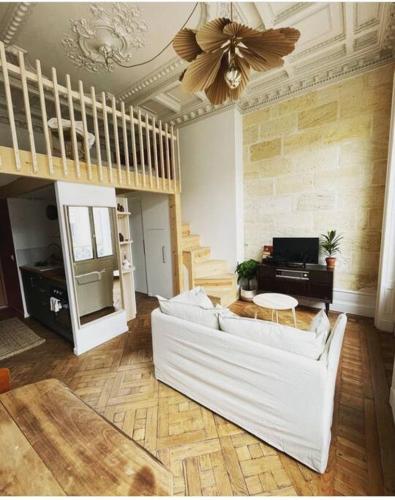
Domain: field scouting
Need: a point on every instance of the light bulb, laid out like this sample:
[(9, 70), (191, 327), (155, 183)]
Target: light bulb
[(233, 76)]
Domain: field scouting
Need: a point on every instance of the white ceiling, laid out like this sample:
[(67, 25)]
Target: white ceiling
[(337, 40)]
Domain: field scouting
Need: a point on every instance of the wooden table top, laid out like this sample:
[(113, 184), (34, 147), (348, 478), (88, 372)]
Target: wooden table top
[(52, 443)]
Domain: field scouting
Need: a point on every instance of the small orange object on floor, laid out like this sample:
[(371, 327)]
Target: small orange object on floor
[(4, 380)]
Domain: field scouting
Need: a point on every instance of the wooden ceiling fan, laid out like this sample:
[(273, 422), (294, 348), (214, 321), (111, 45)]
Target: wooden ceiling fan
[(223, 52)]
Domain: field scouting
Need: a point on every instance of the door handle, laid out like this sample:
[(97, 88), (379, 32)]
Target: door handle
[(164, 254)]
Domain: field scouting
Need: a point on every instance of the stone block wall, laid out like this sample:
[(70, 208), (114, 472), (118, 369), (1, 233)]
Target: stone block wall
[(318, 162)]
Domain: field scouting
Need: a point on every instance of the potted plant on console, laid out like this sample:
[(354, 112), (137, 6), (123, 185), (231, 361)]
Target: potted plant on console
[(246, 277), (330, 243)]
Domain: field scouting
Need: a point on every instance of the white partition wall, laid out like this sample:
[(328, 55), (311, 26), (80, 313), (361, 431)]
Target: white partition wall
[(385, 309), (212, 182), (103, 329)]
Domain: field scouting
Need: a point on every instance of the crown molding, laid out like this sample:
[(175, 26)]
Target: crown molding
[(13, 20), (318, 79), (261, 96), (163, 76)]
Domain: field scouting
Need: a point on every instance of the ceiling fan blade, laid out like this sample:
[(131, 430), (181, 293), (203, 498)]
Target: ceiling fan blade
[(275, 42), (262, 61), (185, 44), (291, 34), (201, 73), (218, 91), (211, 36), (240, 30)]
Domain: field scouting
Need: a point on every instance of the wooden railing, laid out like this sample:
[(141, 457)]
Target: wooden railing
[(131, 149)]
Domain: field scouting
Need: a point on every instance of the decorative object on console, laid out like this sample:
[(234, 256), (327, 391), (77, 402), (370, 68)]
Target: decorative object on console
[(246, 277), (125, 264), (222, 54), (121, 237), (330, 243)]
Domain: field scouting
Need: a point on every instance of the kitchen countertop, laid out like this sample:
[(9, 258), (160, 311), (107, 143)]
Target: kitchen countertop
[(56, 275)]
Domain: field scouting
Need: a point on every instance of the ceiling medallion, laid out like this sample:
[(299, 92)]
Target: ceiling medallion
[(223, 52), (110, 35)]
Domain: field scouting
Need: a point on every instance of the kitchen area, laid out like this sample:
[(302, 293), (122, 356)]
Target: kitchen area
[(39, 259), (60, 254)]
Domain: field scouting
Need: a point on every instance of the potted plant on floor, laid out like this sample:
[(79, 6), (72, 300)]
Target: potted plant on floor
[(246, 277), (330, 243)]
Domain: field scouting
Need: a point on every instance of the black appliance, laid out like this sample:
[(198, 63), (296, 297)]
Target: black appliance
[(297, 251)]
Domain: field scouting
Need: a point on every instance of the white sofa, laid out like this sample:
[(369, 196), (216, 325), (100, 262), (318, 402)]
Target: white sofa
[(283, 398)]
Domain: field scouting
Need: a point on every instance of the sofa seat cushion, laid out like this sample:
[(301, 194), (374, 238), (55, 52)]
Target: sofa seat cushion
[(301, 342)]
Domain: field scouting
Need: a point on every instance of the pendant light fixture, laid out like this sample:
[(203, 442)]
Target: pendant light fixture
[(222, 54)]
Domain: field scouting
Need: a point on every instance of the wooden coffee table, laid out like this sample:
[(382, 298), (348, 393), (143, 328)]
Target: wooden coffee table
[(276, 302)]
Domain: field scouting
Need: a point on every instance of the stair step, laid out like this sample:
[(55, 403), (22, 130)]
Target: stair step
[(224, 297), (220, 280), (200, 254), (190, 241), (186, 230), (210, 267)]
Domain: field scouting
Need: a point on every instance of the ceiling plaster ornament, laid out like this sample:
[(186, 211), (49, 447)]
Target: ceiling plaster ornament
[(222, 54), (110, 35)]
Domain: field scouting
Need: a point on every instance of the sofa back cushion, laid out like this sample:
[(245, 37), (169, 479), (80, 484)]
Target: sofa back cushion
[(190, 312), (301, 342), (193, 305)]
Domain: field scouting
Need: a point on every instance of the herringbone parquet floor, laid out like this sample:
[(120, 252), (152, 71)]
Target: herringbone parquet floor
[(206, 454)]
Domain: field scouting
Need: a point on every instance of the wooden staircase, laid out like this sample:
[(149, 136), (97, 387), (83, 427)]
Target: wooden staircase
[(211, 274)]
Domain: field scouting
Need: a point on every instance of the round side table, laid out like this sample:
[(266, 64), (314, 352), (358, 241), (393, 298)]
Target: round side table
[(276, 302)]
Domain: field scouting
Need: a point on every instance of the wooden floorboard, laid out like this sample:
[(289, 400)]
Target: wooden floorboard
[(209, 455)]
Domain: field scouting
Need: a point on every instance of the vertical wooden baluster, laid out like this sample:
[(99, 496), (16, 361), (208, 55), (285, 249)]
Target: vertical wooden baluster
[(141, 144), (28, 114), (107, 135), (116, 139), (178, 160), (44, 116), (97, 134), (154, 130), (162, 158), (59, 119), (10, 107), (125, 142), (85, 129), (167, 156), (134, 152), (74, 140), (148, 143), (173, 158)]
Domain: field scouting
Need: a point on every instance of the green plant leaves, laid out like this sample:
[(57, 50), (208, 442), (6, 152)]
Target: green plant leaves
[(330, 242)]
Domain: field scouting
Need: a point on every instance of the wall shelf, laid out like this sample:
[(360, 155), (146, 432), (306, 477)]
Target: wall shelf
[(126, 276)]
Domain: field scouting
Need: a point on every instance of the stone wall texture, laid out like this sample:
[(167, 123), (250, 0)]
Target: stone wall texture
[(318, 162)]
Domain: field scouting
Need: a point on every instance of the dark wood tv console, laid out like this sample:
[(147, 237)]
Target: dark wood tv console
[(313, 281)]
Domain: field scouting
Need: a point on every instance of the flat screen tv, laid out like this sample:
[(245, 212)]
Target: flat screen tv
[(296, 250)]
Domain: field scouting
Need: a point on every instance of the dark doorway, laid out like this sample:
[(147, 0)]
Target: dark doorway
[(8, 261)]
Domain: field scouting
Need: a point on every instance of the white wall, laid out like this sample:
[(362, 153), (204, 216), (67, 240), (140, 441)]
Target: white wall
[(212, 185), (32, 232), (103, 329), (385, 305)]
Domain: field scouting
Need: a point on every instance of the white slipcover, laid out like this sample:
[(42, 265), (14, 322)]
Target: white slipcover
[(283, 398)]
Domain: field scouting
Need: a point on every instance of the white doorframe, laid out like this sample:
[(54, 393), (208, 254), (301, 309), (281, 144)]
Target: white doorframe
[(385, 304)]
